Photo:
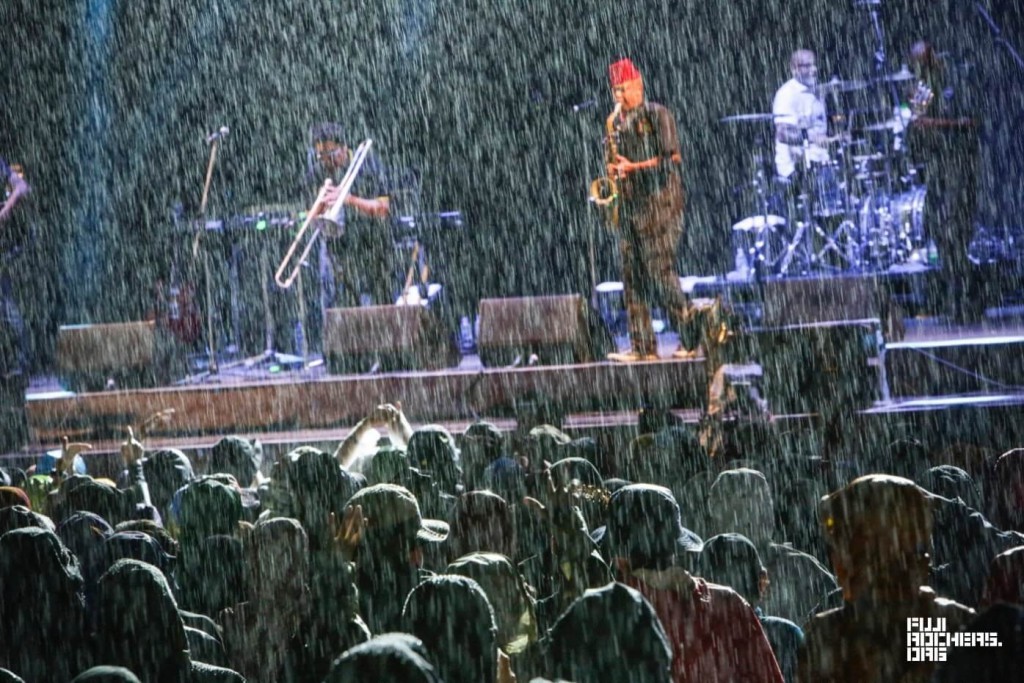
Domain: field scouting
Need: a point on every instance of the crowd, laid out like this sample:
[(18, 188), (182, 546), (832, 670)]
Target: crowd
[(410, 555)]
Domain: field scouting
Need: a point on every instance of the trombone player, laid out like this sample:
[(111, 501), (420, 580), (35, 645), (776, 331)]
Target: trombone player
[(358, 261)]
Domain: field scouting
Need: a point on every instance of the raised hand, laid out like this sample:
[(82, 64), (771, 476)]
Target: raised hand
[(68, 451), (132, 449)]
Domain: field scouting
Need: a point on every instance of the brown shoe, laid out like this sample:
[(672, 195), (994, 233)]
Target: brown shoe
[(631, 357), (685, 354)]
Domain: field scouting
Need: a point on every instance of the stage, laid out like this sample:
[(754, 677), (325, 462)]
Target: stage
[(940, 381)]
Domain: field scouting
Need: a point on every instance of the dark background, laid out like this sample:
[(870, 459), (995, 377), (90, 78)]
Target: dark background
[(107, 104)]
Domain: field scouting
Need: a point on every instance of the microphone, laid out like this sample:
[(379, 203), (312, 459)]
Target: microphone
[(576, 108), (222, 132)]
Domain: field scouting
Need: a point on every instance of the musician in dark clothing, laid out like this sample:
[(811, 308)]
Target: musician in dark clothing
[(358, 259), (13, 240), (649, 178), (943, 137)]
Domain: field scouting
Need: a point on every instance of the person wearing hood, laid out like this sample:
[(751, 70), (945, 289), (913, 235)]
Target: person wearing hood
[(166, 470), (42, 603), (20, 517), (432, 451), (732, 560), (879, 533), (482, 521), (610, 633), (511, 599), (482, 444), (388, 658), (106, 674), (568, 562), (137, 626), (209, 515), (714, 633), (240, 458), (740, 501), (453, 618), (275, 635)]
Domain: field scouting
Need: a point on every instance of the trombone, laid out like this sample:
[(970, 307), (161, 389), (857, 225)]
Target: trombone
[(316, 218)]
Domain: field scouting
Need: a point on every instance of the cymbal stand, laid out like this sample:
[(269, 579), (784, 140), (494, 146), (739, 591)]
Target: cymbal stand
[(800, 246), (757, 257)]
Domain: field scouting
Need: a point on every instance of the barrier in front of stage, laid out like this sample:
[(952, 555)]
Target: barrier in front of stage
[(543, 330), (386, 338)]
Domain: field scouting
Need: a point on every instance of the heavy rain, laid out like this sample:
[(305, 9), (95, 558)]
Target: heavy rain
[(490, 340)]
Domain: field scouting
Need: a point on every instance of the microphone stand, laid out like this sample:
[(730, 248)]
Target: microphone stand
[(211, 347), (591, 239), (997, 36)]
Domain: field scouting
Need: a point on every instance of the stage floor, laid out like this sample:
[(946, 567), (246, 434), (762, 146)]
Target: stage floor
[(285, 407)]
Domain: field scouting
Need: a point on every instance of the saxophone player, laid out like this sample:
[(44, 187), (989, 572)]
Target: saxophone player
[(647, 172)]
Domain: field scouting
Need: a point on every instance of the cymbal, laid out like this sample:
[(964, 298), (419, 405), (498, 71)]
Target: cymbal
[(758, 222), (904, 74), (838, 85), (750, 117)]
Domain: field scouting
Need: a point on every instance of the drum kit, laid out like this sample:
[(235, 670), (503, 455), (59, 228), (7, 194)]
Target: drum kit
[(861, 210)]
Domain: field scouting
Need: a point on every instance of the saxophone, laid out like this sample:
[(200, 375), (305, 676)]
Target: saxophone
[(604, 191)]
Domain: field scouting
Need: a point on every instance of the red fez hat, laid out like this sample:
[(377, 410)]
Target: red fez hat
[(622, 71)]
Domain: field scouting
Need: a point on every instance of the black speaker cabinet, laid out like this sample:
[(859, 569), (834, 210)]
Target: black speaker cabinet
[(132, 355), (557, 329), (389, 337)]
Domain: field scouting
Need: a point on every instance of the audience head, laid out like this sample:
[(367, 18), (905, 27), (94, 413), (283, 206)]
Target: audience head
[(395, 529), (1008, 496), (388, 658), (609, 634), (137, 622), (483, 521), (432, 451), (1005, 582), (208, 508), (879, 532), (238, 457), (513, 605), (166, 470), (732, 560), (645, 530), (453, 618), (740, 501)]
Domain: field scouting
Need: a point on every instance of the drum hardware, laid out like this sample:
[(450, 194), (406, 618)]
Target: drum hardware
[(894, 125), (749, 118), (837, 85), (904, 74)]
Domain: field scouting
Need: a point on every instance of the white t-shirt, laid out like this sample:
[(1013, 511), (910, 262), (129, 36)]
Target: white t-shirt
[(798, 105)]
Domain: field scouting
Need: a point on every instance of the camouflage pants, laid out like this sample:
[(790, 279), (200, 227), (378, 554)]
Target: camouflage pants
[(648, 241)]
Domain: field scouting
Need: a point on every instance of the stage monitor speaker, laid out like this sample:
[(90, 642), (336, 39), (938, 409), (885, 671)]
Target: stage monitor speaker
[(388, 337), (556, 329), (90, 356), (799, 301)]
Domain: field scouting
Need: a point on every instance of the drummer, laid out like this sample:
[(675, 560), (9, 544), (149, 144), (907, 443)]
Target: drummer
[(801, 127)]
